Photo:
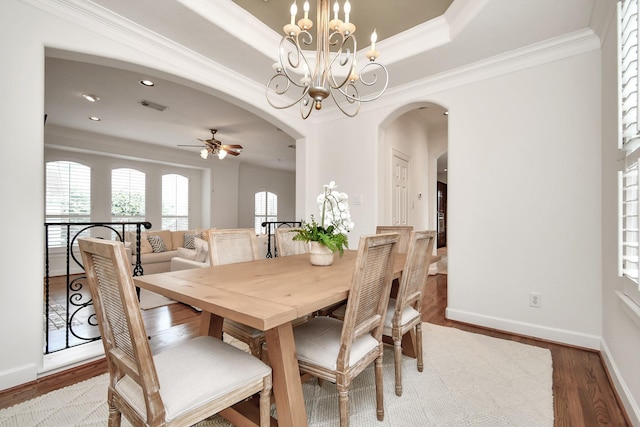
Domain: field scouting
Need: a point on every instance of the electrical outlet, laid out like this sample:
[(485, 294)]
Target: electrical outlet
[(535, 299)]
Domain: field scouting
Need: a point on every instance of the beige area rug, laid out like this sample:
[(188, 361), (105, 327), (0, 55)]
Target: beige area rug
[(149, 300), (468, 380)]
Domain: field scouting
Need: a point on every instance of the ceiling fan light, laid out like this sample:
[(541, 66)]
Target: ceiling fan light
[(204, 153), (90, 97), (222, 154)]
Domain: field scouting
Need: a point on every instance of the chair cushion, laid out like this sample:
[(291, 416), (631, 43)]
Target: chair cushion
[(318, 342), (194, 373), (408, 314)]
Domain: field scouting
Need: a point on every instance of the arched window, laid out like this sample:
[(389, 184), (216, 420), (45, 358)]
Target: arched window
[(175, 202), (68, 198), (266, 209), (127, 195)]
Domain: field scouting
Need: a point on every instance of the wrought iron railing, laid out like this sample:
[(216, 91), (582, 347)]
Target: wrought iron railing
[(272, 225), (73, 321)]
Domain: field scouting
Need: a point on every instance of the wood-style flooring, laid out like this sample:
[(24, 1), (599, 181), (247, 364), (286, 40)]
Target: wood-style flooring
[(583, 395)]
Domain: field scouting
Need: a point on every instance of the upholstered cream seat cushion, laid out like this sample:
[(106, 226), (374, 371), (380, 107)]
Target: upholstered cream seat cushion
[(408, 314), (195, 373), (318, 341)]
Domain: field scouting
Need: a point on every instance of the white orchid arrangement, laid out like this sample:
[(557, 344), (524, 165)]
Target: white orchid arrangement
[(335, 220)]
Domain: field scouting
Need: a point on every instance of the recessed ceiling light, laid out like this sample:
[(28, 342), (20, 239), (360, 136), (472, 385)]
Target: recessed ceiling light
[(94, 118), (90, 97), (446, 113), (148, 83)]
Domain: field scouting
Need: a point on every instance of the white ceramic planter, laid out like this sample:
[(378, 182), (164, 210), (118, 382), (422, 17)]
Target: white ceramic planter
[(319, 254)]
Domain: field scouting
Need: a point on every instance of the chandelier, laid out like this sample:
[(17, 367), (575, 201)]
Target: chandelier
[(300, 80)]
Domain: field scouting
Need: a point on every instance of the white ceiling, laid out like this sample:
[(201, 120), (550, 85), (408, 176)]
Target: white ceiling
[(221, 31)]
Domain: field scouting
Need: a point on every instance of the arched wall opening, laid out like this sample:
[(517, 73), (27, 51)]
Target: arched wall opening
[(413, 139)]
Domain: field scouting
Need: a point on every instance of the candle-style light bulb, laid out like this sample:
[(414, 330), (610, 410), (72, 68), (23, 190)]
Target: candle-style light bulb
[(347, 11), (306, 10), (374, 38), (294, 11), (336, 9)]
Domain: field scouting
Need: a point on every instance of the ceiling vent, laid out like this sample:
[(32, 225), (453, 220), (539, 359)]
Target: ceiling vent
[(153, 105)]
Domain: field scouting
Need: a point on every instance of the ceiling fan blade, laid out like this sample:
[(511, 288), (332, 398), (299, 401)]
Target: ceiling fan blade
[(233, 153), (184, 145)]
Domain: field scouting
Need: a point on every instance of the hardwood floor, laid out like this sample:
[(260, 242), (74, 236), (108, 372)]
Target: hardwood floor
[(583, 395)]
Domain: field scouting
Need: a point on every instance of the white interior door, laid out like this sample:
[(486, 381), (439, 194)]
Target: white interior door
[(400, 191)]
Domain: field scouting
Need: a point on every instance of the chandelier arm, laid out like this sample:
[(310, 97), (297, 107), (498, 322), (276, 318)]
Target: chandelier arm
[(366, 82), (294, 62), (269, 92), (308, 105), (343, 58), (351, 99)]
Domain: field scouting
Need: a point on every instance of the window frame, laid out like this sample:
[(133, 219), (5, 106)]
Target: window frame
[(132, 218), (260, 217), (179, 221), (628, 19)]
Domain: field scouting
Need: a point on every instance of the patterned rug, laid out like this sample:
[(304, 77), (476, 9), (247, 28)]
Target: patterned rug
[(468, 380)]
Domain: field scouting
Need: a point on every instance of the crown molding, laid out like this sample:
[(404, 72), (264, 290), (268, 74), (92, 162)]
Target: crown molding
[(234, 20), (558, 48)]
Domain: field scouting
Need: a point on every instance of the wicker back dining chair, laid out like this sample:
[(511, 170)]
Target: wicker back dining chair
[(229, 246), (403, 230), (286, 245), (177, 387), (404, 312), (337, 351)]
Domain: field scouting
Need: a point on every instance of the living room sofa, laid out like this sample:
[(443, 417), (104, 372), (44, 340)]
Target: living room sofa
[(187, 258), (155, 256)]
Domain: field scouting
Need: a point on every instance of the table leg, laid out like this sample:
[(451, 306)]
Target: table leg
[(287, 387), (211, 324)]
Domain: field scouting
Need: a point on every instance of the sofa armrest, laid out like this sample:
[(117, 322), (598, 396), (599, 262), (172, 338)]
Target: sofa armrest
[(178, 263)]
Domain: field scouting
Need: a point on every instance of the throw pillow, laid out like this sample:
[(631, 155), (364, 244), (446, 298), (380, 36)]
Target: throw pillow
[(188, 240), (202, 249), (187, 253), (157, 243), (145, 246)]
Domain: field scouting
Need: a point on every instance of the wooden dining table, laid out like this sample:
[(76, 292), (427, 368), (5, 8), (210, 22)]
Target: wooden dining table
[(269, 295)]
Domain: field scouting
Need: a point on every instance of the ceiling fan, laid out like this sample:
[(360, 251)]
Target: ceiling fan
[(215, 147)]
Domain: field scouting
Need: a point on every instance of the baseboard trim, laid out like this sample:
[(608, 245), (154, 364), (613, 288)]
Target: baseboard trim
[(17, 376), (620, 387), (562, 336)]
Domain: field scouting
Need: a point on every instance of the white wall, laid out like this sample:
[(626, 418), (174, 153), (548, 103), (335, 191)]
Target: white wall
[(524, 206)]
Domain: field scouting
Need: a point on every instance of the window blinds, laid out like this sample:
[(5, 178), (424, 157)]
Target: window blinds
[(629, 234), (629, 219), (629, 70), (175, 202), (68, 198)]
